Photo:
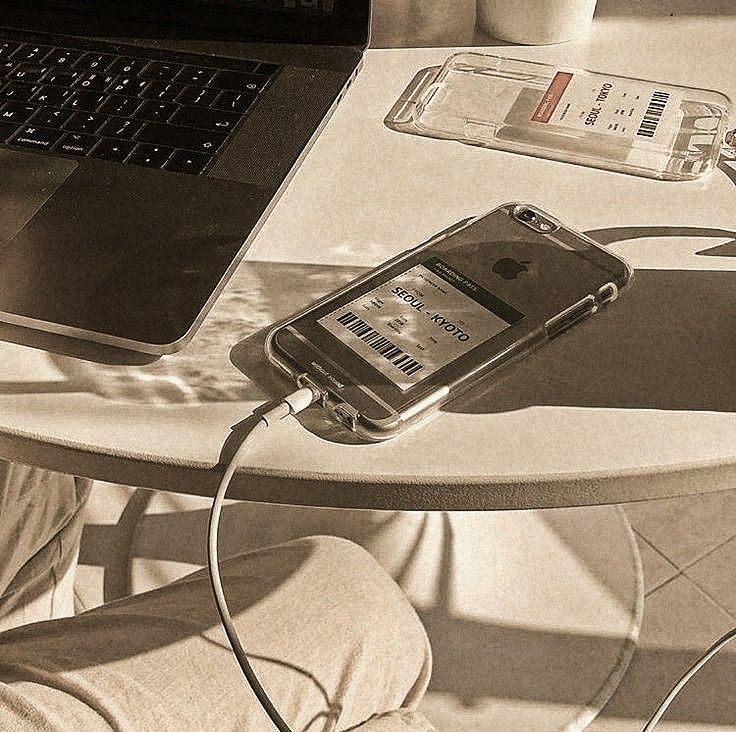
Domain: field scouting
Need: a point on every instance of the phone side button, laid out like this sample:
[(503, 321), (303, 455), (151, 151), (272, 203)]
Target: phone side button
[(347, 415), (570, 316)]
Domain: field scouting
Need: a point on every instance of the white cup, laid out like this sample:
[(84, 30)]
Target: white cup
[(535, 21)]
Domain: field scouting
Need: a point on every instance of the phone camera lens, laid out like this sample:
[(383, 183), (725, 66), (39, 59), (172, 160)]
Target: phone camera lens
[(526, 215)]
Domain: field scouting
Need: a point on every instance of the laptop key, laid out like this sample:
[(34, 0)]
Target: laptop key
[(122, 106), (206, 119), (18, 92), (14, 112), (150, 156), (121, 128), (6, 68), (156, 111), (240, 81), (127, 66), (161, 70), (113, 150), (234, 101), (37, 138), (31, 52), (86, 122), (181, 137), (52, 96), (127, 109), (183, 161), (85, 101), (198, 75), (76, 143), (27, 73), (62, 57), (266, 68), (197, 96), (163, 91), (7, 130), (64, 78), (128, 85), (94, 61), (95, 82), (50, 117), (7, 48)]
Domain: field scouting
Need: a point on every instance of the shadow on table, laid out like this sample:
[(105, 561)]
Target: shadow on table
[(667, 344), (505, 659), (258, 294), (66, 347)]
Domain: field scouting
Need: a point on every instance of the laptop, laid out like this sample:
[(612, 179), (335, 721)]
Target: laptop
[(142, 145)]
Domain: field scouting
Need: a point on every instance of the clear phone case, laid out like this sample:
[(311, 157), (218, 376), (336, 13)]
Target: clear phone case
[(629, 125), (384, 361)]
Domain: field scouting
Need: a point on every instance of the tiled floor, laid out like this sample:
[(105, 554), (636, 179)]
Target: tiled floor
[(688, 551)]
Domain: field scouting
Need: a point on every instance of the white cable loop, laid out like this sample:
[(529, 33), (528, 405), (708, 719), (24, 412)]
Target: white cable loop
[(680, 685)]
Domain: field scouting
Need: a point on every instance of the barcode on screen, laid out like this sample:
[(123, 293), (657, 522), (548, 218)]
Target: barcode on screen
[(653, 115), (380, 344)]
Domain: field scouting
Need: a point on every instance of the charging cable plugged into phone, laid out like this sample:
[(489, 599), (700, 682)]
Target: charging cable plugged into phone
[(389, 349), (272, 414), (266, 416)]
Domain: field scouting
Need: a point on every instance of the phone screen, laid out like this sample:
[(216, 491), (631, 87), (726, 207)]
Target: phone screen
[(419, 321)]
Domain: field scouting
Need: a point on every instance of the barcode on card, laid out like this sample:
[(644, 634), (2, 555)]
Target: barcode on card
[(380, 344), (654, 112)]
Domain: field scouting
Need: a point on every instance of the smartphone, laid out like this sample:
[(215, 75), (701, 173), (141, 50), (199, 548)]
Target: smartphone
[(390, 348)]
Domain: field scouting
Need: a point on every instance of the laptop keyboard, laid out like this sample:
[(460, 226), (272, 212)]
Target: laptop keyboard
[(124, 107)]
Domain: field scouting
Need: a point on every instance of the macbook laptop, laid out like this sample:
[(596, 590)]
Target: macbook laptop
[(143, 143)]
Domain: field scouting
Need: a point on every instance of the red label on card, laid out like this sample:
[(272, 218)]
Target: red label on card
[(552, 97)]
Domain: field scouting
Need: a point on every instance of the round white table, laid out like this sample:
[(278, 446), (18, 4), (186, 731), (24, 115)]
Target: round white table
[(636, 403)]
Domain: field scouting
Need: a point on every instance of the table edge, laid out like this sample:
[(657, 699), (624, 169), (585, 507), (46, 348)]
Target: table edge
[(395, 492)]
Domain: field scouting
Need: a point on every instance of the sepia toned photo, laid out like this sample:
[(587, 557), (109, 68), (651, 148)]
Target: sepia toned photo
[(366, 365)]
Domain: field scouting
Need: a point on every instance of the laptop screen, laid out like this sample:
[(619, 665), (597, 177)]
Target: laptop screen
[(337, 22)]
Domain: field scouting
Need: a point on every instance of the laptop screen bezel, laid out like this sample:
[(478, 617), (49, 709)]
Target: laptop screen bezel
[(347, 25)]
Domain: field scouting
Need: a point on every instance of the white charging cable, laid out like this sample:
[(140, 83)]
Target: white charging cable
[(290, 405), (680, 685)]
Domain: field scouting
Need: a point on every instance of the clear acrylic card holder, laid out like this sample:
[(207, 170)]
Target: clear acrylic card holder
[(629, 125)]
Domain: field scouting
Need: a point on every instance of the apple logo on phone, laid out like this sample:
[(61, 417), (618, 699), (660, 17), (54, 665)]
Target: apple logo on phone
[(510, 268)]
